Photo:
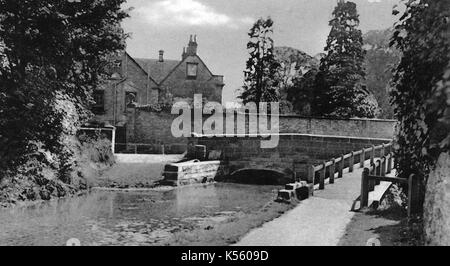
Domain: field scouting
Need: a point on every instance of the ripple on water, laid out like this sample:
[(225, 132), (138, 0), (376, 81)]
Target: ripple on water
[(130, 218)]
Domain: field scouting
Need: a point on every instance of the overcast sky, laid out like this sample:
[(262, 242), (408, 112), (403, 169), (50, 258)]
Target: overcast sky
[(221, 27)]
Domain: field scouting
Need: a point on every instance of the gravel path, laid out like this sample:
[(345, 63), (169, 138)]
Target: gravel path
[(317, 221)]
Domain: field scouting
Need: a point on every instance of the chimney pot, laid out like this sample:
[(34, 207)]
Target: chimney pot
[(161, 55)]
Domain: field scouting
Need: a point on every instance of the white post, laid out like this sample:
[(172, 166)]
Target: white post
[(113, 140)]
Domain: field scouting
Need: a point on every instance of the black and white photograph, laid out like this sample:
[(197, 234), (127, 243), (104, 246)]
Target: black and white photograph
[(243, 125)]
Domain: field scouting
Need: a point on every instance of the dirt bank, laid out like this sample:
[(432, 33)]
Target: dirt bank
[(134, 171), (388, 224)]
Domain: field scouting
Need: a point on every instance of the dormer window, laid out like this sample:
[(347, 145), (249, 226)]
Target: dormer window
[(191, 70)]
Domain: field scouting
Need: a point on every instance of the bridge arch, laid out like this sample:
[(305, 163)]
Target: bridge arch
[(259, 176)]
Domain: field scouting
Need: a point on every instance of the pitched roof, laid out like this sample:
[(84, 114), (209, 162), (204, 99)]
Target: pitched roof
[(157, 70)]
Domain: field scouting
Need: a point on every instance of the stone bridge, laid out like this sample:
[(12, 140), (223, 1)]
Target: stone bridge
[(303, 141), (291, 157)]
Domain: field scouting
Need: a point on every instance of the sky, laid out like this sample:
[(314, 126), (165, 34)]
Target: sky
[(221, 27)]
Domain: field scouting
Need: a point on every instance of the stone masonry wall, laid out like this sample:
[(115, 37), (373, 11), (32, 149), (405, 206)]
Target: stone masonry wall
[(152, 127), (293, 152)]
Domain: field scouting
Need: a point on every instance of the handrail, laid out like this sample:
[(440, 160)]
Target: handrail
[(337, 164)]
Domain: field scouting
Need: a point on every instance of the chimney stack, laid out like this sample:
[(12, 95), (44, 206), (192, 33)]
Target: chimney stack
[(161, 55), (183, 55), (192, 46)]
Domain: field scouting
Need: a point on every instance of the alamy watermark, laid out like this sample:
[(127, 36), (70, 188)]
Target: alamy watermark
[(262, 122)]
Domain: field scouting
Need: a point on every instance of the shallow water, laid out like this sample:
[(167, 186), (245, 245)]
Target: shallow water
[(130, 218)]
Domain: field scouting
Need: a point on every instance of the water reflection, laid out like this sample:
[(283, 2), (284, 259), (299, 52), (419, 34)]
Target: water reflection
[(128, 218)]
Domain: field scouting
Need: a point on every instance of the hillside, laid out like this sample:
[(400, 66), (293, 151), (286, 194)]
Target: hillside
[(379, 62)]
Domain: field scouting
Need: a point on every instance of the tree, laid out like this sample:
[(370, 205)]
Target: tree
[(379, 62), (301, 94), (53, 55), (421, 88), (261, 79), (296, 70), (338, 83)]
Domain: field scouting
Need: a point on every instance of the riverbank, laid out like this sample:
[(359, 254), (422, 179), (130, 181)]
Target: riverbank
[(128, 208), (215, 214), (134, 171), (44, 176)]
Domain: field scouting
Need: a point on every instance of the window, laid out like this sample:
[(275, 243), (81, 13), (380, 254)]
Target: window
[(130, 99), (191, 70), (99, 102)]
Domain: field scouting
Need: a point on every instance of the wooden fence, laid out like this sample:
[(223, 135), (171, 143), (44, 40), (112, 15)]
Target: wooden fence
[(337, 165), (376, 173), (144, 148)]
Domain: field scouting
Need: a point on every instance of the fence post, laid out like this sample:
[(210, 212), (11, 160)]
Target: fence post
[(372, 155), (364, 197), (383, 166), (383, 149), (351, 162), (162, 149), (322, 176), (389, 164), (332, 170), (413, 196), (362, 158), (371, 182), (341, 167), (311, 174)]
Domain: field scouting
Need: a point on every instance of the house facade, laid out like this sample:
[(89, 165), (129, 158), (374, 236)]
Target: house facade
[(140, 82)]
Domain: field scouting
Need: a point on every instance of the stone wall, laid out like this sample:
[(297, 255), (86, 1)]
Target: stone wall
[(365, 128), (152, 127)]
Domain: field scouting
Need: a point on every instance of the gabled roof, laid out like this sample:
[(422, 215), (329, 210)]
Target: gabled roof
[(144, 70), (156, 69)]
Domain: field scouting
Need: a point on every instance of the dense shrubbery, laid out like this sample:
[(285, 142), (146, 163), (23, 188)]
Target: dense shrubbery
[(96, 149), (52, 55), (421, 84), (39, 177)]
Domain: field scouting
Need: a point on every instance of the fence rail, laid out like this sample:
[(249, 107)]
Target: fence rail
[(145, 148), (337, 165), (376, 173)]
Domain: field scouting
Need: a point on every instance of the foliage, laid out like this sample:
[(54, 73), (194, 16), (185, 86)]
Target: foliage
[(261, 80), (294, 66), (52, 57), (379, 61), (421, 86), (301, 93), (341, 70), (164, 104), (97, 148)]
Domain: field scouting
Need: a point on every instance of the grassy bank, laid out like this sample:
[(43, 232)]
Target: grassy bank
[(41, 178)]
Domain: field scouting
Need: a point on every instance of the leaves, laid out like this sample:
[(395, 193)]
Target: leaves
[(338, 84), (261, 80), (420, 84), (49, 66)]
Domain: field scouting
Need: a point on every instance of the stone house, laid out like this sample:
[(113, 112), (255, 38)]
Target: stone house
[(140, 82)]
